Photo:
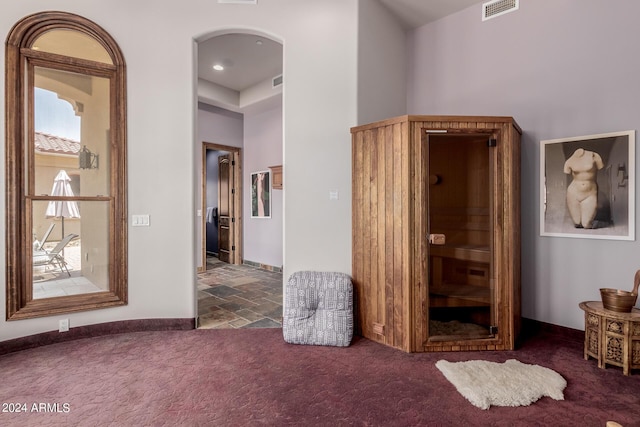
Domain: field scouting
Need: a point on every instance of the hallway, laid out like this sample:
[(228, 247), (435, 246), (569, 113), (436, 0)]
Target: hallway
[(238, 296)]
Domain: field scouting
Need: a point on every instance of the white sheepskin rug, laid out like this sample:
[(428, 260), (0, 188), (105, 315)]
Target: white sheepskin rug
[(511, 383)]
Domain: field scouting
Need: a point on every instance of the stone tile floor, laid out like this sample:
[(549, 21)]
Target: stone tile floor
[(238, 296)]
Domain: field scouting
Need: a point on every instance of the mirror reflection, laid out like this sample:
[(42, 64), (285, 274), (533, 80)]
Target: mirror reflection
[(66, 174), (70, 168), (72, 43), (71, 123), (70, 247)]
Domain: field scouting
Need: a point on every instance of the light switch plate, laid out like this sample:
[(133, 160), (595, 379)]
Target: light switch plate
[(140, 220)]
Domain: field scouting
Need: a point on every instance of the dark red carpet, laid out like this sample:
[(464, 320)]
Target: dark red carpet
[(251, 377)]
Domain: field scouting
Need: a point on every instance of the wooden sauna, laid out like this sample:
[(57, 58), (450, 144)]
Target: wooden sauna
[(436, 232)]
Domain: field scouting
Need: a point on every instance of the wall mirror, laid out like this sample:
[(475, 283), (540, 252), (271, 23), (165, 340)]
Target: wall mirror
[(66, 167)]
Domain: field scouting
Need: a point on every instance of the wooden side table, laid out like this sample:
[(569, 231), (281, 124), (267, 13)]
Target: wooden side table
[(611, 337)]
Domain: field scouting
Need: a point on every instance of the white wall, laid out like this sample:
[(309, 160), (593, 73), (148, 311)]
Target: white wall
[(382, 64), (560, 68), (320, 105), (262, 237), (317, 147)]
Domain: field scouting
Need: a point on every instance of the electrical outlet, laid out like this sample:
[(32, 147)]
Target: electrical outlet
[(63, 326)]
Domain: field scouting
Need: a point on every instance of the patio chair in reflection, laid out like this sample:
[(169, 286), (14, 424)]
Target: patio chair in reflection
[(54, 256), (39, 246)]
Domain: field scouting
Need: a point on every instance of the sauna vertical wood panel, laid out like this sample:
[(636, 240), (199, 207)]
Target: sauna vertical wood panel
[(357, 226), (420, 264), (387, 287), (382, 264), (390, 210), (382, 252)]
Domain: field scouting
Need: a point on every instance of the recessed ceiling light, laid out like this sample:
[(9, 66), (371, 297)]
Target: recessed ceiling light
[(218, 67)]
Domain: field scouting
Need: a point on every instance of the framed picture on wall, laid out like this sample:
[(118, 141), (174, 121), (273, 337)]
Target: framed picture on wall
[(587, 186), (261, 194)]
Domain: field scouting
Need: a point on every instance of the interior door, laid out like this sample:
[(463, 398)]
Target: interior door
[(461, 284), (226, 219)]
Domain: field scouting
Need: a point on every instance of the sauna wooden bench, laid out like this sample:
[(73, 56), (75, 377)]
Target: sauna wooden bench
[(459, 294), (611, 337)]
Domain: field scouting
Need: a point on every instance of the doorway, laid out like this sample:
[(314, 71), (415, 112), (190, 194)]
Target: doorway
[(239, 92), (460, 269), (221, 204)]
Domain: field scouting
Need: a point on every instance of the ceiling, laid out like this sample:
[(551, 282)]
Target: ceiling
[(250, 59), (247, 60), (415, 13)]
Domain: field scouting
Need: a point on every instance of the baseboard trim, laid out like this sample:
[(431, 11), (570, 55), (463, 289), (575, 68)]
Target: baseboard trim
[(532, 327), (110, 328), (262, 266)]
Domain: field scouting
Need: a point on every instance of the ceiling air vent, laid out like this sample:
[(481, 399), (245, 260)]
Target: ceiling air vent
[(277, 81), (494, 8), (239, 1)]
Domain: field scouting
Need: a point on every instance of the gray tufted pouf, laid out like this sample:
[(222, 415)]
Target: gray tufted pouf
[(318, 309)]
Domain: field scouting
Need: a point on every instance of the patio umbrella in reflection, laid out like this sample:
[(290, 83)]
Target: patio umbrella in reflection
[(62, 208)]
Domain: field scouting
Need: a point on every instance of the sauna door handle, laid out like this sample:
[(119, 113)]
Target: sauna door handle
[(437, 239)]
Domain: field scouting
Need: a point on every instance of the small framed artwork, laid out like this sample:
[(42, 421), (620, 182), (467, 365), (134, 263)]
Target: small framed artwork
[(587, 186), (261, 194)]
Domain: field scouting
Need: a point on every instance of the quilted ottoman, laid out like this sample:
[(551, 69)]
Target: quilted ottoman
[(318, 309)]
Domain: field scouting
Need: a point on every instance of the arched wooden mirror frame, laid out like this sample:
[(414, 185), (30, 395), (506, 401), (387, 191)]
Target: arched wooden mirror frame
[(20, 303)]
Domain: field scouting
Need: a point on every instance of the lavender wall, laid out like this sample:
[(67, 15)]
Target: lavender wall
[(259, 133), (561, 68), (217, 126), (263, 148)]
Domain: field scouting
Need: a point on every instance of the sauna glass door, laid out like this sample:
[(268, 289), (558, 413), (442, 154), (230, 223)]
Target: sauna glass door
[(459, 189)]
